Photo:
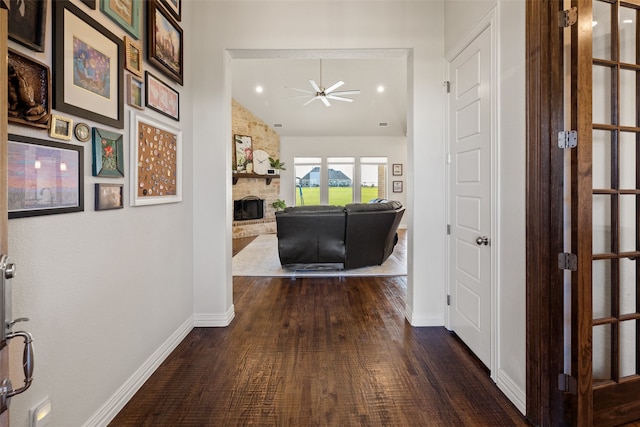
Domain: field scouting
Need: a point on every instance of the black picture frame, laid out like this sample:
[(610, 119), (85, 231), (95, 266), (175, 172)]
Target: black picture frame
[(53, 185), (108, 196), (161, 97), (90, 3), (174, 7), (157, 54), (397, 169), (27, 23), (397, 186), (94, 92)]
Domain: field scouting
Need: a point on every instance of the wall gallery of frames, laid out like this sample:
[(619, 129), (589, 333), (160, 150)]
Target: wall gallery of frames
[(80, 105)]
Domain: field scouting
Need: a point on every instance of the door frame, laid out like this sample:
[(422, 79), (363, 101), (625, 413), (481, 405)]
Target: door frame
[(488, 22), (544, 212)]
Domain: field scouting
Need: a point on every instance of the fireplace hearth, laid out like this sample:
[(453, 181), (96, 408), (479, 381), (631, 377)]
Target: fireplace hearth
[(248, 208)]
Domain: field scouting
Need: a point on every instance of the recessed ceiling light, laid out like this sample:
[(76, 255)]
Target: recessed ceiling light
[(259, 89), (380, 89), (594, 23), (628, 21)]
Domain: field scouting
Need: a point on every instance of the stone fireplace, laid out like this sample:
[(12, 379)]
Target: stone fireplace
[(248, 208)]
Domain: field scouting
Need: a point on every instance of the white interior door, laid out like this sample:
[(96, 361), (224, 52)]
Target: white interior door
[(470, 140)]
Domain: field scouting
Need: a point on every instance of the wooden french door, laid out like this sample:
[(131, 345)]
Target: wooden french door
[(605, 183)]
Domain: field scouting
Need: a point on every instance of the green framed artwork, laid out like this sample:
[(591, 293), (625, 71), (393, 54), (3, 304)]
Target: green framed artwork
[(108, 154), (124, 13)]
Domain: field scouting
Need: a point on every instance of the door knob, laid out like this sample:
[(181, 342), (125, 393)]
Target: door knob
[(482, 240)]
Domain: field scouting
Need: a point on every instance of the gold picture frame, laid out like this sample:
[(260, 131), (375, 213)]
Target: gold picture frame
[(133, 56), (61, 127)]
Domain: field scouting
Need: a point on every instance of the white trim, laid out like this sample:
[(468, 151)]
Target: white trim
[(206, 320), (489, 21), (515, 394), (116, 402), (417, 320)]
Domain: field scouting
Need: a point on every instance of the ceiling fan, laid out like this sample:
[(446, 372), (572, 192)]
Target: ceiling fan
[(325, 94)]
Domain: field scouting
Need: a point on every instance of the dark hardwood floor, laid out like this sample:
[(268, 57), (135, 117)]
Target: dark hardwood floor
[(320, 352)]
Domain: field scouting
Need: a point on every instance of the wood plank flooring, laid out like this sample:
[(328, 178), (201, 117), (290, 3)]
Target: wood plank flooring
[(320, 352)]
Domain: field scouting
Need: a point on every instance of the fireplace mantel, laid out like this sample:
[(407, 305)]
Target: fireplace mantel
[(267, 178)]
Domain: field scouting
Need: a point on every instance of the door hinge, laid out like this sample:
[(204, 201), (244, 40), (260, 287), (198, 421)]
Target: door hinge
[(448, 299), (447, 86), (567, 18), (568, 139), (567, 261), (448, 229), (448, 158), (567, 383)]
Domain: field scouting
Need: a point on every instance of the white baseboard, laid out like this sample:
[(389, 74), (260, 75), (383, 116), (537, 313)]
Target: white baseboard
[(214, 320), (110, 409), (417, 320), (515, 394)]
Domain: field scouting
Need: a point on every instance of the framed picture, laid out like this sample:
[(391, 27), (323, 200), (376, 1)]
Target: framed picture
[(165, 42), (124, 13), (82, 131), (397, 186), (90, 3), (108, 196), (44, 177), (27, 20), (133, 56), (156, 162), (89, 67), (397, 169), (31, 77), (61, 127), (244, 153), (135, 92), (108, 154), (161, 97), (174, 7)]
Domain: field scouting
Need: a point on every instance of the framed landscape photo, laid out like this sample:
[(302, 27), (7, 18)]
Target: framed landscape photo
[(109, 196), (61, 127), (156, 162), (124, 13), (27, 21), (161, 97), (89, 78), (133, 56), (164, 42), (108, 154), (44, 177), (135, 92)]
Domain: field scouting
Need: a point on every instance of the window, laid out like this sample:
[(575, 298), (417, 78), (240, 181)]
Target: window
[(339, 180), (373, 178)]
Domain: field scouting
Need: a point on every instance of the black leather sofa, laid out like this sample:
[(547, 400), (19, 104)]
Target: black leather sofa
[(337, 237)]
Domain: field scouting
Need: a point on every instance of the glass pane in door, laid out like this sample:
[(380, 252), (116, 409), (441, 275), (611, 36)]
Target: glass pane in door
[(627, 223), (602, 30), (628, 107), (601, 140), (601, 291), (602, 352), (628, 339), (601, 224), (628, 286), (628, 23), (601, 94), (627, 163)]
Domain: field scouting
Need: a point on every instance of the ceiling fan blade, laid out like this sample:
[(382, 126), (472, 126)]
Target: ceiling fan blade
[(310, 101), (338, 98), (303, 91), (333, 87), (347, 92), (315, 86), (298, 97), (325, 100)]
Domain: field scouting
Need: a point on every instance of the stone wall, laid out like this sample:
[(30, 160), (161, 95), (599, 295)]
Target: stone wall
[(262, 138)]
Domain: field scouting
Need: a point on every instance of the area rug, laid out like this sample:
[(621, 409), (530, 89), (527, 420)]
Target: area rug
[(260, 258)]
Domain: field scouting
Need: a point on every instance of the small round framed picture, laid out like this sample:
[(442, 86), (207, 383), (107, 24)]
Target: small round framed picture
[(82, 132)]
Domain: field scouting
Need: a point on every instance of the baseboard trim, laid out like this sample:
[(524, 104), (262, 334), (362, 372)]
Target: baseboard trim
[(515, 394), (202, 320), (422, 320), (110, 409)]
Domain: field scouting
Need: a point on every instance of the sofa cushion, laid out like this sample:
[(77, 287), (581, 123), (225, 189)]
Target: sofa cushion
[(314, 209), (369, 207)]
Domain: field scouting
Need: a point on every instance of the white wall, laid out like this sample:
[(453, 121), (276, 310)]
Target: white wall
[(393, 148), (231, 26), (104, 290), (460, 16)]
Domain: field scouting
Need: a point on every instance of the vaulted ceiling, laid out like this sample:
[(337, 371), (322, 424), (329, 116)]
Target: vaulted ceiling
[(280, 104)]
